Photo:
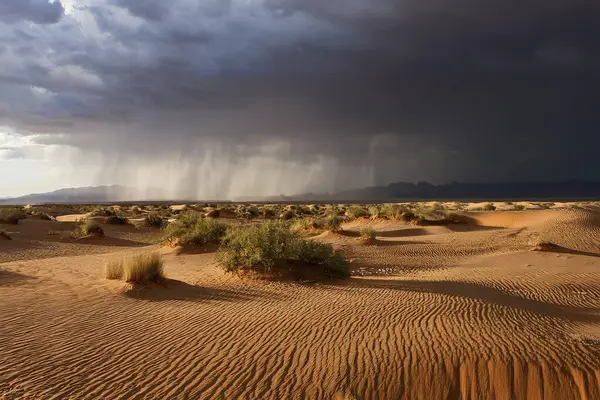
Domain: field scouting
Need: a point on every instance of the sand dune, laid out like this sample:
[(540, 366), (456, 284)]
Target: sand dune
[(440, 312)]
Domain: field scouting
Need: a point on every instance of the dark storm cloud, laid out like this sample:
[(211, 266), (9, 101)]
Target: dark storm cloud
[(462, 90), (38, 11)]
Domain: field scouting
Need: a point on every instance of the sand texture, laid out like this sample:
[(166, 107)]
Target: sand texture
[(467, 311)]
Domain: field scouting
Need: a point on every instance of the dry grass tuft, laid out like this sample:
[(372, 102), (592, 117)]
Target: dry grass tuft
[(114, 270), (87, 228), (368, 234), (141, 268)]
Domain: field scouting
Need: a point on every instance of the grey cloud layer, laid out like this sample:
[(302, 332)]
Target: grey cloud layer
[(38, 11), (436, 90)]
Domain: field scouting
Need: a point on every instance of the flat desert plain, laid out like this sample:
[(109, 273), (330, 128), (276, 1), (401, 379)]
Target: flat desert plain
[(506, 306)]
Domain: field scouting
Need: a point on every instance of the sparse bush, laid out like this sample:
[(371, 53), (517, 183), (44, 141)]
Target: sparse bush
[(141, 268), (287, 215), (518, 207), (489, 207), (438, 207), (547, 205), (116, 220), (333, 223), (192, 228), (265, 247), (303, 225), (11, 215), (394, 211), (374, 211), (87, 228), (368, 233), (249, 213), (268, 213), (408, 216), (356, 212), (154, 220)]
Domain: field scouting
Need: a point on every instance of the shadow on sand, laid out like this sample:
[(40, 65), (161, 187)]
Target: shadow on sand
[(172, 289), (486, 294), (10, 277)]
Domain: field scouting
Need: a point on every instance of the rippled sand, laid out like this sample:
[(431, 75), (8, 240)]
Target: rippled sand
[(465, 311)]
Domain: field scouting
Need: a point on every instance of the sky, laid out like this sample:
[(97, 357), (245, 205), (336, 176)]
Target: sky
[(226, 98)]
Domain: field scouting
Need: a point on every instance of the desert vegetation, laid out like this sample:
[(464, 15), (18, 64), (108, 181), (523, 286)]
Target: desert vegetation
[(368, 234), (141, 268), (193, 228), (272, 247), (11, 215), (116, 220), (87, 227), (155, 220)]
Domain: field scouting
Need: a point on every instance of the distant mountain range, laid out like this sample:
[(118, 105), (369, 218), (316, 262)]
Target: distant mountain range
[(393, 192), (90, 194)]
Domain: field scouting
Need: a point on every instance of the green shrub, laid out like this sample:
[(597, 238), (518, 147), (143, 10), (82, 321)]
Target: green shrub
[(116, 220), (255, 247), (265, 247), (193, 228), (154, 220), (137, 269), (11, 215), (489, 207)]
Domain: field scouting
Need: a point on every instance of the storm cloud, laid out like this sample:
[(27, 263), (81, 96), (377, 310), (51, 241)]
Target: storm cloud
[(231, 97)]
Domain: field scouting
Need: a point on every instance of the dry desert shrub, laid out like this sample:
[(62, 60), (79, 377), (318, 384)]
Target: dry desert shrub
[(116, 220), (11, 215), (356, 212), (141, 268), (489, 207), (87, 228), (368, 233), (333, 223), (154, 220)]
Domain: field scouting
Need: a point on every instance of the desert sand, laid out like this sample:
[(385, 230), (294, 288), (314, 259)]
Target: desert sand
[(483, 310)]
